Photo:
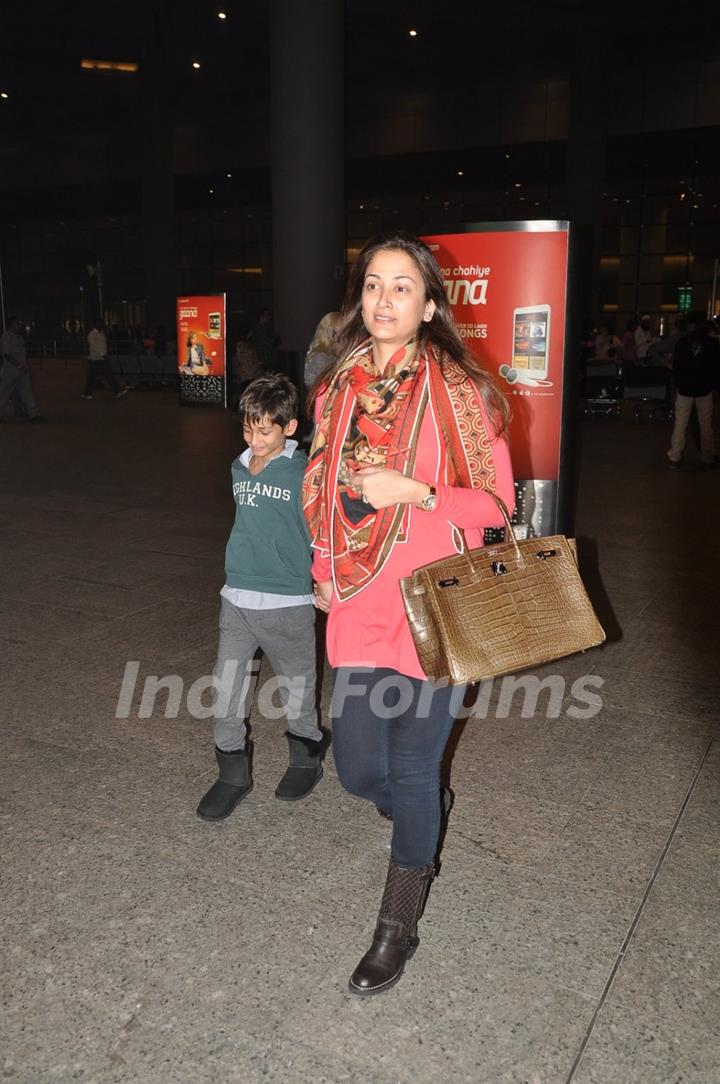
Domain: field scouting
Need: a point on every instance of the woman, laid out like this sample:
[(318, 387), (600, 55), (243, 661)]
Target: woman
[(196, 362), (245, 368), (408, 440), (628, 352), (321, 354), (606, 345)]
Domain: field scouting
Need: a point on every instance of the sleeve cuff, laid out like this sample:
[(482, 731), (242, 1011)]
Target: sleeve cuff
[(321, 568)]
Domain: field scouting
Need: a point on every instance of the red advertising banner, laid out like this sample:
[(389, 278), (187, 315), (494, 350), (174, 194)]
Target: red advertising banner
[(201, 339), (507, 287)]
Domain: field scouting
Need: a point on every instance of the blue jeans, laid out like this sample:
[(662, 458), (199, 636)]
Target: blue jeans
[(389, 736)]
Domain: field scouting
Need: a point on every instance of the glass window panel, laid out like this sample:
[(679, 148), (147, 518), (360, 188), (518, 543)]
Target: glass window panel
[(628, 269), (629, 240), (678, 239), (626, 302), (610, 239), (650, 297), (653, 238)]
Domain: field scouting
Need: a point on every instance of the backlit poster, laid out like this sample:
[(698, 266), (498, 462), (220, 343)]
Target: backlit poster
[(201, 332), (507, 284)]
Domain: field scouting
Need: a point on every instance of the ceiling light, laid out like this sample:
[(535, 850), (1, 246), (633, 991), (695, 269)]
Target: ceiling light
[(109, 65), (222, 15), (229, 176), (412, 32), (4, 94), (196, 65), (212, 191), (460, 173), (518, 184)]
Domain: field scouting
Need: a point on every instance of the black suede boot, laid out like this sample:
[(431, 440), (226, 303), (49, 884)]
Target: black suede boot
[(305, 769), (395, 938), (233, 784)]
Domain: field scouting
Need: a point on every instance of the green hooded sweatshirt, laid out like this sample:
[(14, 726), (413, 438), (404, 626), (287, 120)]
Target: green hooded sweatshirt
[(269, 545)]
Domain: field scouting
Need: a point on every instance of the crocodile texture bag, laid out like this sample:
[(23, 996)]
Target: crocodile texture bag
[(486, 612)]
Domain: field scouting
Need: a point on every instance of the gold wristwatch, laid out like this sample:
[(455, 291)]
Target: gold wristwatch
[(429, 500)]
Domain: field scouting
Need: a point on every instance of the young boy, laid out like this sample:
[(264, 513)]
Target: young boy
[(267, 601)]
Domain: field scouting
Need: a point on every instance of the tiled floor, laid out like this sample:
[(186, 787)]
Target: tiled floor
[(572, 937)]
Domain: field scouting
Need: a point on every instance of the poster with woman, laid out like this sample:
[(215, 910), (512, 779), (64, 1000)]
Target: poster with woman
[(201, 330)]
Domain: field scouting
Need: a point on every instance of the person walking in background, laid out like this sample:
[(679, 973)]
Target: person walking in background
[(322, 352), (628, 351), (409, 437), (643, 338), (662, 350), (264, 340), (98, 364), (245, 369), (15, 371), (605, 345), (696, 370)]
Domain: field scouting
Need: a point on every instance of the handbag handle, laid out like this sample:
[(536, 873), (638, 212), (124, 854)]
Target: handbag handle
[(509, 532)]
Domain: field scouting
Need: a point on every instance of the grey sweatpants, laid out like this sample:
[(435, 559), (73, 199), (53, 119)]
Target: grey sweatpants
[(287, 637)]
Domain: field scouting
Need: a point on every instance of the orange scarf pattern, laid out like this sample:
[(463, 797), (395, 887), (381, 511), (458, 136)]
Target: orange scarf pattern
[(374, 419)]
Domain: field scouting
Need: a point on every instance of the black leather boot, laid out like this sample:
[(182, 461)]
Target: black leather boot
[(305, 769), (395, 938), (233, 784)]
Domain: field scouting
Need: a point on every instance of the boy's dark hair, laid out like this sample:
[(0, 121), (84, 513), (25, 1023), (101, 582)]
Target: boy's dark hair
[(272, 394)]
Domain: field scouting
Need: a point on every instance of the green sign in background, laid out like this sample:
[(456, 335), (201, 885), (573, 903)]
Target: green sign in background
[(684, 298)]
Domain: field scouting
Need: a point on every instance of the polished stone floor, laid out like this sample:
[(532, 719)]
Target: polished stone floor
[(573, 933)]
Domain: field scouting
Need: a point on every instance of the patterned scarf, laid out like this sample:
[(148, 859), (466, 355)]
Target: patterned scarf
[(373, 419)]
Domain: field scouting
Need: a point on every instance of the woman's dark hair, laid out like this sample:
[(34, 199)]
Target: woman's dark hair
[(272, 395), (440, 332)]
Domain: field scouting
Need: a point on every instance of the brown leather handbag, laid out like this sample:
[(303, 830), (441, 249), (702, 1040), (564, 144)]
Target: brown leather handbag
[(486, 612)]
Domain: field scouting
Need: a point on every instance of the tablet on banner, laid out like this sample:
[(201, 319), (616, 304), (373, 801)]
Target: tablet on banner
[(507, 286), (201, 349)]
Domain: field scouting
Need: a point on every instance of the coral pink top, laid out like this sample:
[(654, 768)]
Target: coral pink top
[(370, 629)]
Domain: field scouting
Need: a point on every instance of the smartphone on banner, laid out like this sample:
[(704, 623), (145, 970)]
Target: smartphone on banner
[(214, 325), (531, 340)]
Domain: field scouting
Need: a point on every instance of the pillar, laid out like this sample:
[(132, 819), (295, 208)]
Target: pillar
[(307, 58)]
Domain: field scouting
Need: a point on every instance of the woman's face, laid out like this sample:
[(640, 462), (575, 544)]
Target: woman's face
[(393, 298)]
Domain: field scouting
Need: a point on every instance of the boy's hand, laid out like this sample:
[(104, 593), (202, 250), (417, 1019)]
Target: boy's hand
[(323, 595), (384, 488)]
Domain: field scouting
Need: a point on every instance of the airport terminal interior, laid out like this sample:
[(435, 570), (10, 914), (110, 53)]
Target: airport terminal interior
[(571, 937), (247, 150)]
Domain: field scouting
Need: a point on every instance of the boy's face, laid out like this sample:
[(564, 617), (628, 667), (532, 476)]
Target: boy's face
[(266, 438)]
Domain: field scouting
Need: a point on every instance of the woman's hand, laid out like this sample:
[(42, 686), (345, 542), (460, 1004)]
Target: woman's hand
[(323, 595), (384, 488)]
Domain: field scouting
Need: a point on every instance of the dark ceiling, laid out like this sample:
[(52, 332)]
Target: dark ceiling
[(42, 44)]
